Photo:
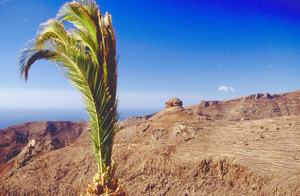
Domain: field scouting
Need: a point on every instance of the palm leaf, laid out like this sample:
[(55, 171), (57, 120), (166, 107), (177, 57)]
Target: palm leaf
[(87, 58)]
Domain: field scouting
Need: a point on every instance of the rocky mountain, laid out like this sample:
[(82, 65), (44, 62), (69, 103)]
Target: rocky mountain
[(252, 107), (244, 146)]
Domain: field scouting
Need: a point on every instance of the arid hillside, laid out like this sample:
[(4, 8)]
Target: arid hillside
[(245, 146), (252, 107)]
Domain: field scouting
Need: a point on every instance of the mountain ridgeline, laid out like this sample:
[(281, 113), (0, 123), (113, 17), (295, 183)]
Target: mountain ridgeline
[(244, 146)]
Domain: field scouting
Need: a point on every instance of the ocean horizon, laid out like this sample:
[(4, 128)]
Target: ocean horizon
[(9, 117)]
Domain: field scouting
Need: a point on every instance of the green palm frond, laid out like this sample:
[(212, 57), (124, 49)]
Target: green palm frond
[(86, 56), (50, 30), (86, 20)]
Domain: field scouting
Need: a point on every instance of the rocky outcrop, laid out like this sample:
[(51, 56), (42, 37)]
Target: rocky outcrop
[(174, 102), (252, 107), (265, 95), (208, 103), (249, 97)]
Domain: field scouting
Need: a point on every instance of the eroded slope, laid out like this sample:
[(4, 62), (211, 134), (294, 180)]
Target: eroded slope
[(177, 151)]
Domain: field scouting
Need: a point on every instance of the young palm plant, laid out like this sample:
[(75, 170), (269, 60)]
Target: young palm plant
[(86, 55)]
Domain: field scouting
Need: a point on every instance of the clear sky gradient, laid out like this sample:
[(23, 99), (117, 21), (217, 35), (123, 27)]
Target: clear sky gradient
[(193, 49)]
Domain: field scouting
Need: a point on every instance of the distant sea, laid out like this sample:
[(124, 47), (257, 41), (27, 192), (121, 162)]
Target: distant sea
[(9, 117)]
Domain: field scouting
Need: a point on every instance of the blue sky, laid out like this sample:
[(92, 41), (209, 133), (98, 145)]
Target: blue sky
[(195, 50)]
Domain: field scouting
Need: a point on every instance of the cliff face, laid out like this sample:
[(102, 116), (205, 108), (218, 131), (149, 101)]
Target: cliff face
[(252, 107), (43, 136), (206, 149), (35, 158)]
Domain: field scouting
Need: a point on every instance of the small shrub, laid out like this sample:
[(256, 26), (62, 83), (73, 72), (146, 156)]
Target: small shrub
[(261, 136)]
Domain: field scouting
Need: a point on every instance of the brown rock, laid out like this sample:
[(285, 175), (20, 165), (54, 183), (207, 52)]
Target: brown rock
[(252, 107), (174, 102), (208, 103)]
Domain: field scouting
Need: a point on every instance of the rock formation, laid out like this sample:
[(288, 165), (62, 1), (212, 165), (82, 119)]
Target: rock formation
[(208, 103), (256, 106), (174, 102)]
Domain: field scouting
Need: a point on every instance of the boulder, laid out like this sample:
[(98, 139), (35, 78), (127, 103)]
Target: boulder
[(174, 102), (208, 103)]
